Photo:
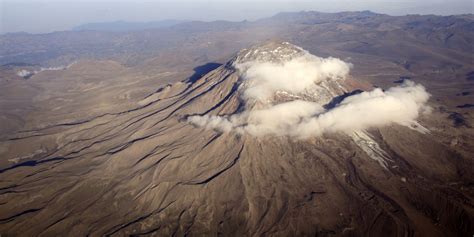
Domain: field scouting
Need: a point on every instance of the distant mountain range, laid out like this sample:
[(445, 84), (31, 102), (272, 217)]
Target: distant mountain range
[(118, 26), (359, 32)]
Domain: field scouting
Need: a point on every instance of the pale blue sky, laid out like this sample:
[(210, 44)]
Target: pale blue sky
[(39, 16)]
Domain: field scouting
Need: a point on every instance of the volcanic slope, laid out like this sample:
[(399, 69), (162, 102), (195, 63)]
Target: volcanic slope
[(151, 171)]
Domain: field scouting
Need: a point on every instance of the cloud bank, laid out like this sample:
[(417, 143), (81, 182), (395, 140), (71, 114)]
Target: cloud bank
[(263, 79), (306, 118), (27, 74)]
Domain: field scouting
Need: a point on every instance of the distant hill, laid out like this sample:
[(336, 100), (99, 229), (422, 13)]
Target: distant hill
[(404, 40), (118, 26)]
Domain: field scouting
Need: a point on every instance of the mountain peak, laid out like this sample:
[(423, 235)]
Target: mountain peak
[(278, 71), (272, 51)]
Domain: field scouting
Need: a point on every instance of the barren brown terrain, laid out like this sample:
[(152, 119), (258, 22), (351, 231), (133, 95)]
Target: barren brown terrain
[(103, 145)]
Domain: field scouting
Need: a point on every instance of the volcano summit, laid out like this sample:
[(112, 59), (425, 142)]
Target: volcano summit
[(274, 142), (284, 91)]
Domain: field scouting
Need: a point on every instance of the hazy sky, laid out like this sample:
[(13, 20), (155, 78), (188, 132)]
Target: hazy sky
[(52, 15)]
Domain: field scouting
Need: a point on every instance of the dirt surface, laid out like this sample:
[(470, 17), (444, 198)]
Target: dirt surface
[(103, 147)]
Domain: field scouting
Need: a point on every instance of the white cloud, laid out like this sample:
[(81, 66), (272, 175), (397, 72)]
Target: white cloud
[(398, 105), (24, 73), (263, 79), (307, 118)]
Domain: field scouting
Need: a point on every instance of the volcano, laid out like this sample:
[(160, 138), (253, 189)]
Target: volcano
[(275, 142)]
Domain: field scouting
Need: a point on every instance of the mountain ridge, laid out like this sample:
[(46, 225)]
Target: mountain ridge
[(148, 170), (119, 26)]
